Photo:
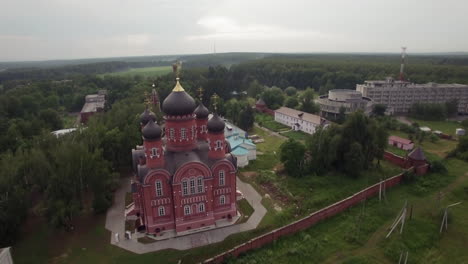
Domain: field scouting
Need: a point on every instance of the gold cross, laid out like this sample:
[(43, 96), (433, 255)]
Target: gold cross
[(200, 93), (147, 100), (215, 101)]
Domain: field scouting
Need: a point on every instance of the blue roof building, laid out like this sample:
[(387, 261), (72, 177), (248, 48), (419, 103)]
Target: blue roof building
[(241, 147)]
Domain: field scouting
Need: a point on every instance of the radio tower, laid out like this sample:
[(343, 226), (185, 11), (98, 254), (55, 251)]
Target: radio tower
[(402, 67)]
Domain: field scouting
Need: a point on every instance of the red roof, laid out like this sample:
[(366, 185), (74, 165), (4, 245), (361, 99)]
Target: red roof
[(400, 140)]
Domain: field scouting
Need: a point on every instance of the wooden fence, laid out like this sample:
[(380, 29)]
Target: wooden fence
[(307, 221)]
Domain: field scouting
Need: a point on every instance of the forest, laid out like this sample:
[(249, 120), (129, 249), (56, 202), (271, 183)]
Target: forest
[(63, 177)]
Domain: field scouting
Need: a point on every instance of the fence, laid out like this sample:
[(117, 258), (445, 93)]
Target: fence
[(395, 159), (307, 221)]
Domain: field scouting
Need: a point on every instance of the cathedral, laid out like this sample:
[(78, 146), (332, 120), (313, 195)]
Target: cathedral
[(185, 175)]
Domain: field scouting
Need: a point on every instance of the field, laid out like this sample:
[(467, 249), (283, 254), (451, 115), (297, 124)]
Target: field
[(296, 135), (145, 72), (447, 127), (269, 122), (358, 235)]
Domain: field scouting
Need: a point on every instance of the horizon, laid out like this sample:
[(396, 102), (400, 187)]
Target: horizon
[(58, 30)]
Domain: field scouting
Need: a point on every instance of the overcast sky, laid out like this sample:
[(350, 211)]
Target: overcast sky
[(67, 29)]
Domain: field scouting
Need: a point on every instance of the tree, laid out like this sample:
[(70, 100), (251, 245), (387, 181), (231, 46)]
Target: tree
[(291, 102), (354, 160), (51, 118), (273, 97), (246, 119), (290, 91), (255, 89), (307, 102), (379, 109), (292, 156)]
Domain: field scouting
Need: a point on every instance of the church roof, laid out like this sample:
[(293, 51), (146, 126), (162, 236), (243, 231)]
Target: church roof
[(417, 154), (146, 116), (178, 102), (152, 131), (215, 124), (201, 111)]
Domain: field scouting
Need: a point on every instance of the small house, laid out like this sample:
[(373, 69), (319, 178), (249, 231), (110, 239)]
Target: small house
[(401, 143)]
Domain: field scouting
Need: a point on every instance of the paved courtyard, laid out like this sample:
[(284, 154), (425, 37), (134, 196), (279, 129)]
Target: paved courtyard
[(115, 222)]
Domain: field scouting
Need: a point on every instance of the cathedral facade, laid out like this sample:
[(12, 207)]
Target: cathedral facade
[(185, 175)]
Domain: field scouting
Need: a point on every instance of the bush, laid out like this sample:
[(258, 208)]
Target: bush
[(438, 167)]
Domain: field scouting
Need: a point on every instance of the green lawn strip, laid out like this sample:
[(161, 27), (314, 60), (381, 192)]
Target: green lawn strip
[(296, 135), (360, 231), (245, 209), (145, 72), (269, 122), (447, 127)]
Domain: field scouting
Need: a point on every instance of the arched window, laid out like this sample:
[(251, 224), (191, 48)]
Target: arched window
[(222, 178), (155, 152), (200, 184), (192, 185), (183, 133), (159, 190), (161, 211), (222, 199), (193, 132), (201, 207), (171, 133), (219, 144), (184, 187), (187, 210)]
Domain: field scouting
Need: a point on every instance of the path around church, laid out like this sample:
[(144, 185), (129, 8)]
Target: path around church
[(115, 223)]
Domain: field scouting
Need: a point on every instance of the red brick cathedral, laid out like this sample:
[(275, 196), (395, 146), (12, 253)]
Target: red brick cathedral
[(185, 178)]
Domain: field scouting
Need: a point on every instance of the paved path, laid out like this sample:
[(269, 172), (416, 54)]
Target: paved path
[(115, 224)]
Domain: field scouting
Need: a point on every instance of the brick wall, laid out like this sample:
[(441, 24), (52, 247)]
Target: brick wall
[(395, 159), (307, 221)]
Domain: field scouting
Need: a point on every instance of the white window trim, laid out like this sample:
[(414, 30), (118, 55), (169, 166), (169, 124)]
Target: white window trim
[(161, 211), (222, 177), (183, 134), (171, 133), (159, 189), (185, 188), (187, 210), (222, 200), (192, 185), (200, 185), (201, 207)]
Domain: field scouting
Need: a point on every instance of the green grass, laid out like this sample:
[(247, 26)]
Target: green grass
[(358, 234), (145, 72), (397, 151), (68, 120), (245, 209), (447, 127), (440, 148), (296, 135), (269, 122)]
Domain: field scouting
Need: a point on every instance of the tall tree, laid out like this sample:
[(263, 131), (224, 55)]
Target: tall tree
[(292, 156)]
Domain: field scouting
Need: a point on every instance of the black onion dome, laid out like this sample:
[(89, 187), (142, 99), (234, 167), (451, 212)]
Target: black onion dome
[(201, 111), (216, 124), (152, 131), (146, 116), (178, 102)]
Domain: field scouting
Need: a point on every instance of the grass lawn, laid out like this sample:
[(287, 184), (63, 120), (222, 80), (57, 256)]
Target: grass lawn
[(69, 120), (358, 235), (269, 122), (296, 135), (397, 151), (440, 148), (245, 209), (447, 127), (145, 72)]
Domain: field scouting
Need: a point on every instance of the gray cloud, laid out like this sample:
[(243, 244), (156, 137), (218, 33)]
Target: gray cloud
[(56, 29)]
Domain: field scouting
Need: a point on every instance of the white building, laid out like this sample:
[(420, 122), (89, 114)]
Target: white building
[(241, 147), (398, 96), (298, 120), (350, 100)]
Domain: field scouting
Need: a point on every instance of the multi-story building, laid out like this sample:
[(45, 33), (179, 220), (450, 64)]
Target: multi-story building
[(185, 178), (94, 103), (350, 100), (298, 120), (398, 96)]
